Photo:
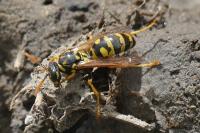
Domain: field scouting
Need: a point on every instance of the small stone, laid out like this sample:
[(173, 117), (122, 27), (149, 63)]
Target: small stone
[(28, 120)]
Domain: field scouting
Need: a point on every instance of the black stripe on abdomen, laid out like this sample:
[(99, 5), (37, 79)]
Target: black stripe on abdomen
[(116, 43), (127, 41)]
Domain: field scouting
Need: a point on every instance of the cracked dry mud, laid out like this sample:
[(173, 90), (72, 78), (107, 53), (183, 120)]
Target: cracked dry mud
[(171, 91)]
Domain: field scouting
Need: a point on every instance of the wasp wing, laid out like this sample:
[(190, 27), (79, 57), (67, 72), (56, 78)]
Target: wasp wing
[(113, 62)]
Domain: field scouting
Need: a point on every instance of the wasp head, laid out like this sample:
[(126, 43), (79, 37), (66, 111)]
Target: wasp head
[(54, 73)]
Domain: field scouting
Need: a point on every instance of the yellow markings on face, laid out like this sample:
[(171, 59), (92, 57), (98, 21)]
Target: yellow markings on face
[(94, 56), (97, 41), (121, 39), (61, 67), (110, 45), (104, 52)]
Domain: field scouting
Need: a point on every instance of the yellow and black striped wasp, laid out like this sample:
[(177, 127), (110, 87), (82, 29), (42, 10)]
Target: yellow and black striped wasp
[(100, 51)]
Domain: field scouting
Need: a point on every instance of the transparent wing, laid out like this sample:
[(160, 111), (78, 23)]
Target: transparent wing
[(113, 62)]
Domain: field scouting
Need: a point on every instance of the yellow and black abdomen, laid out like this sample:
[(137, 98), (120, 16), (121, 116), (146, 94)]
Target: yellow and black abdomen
[(111, 45)]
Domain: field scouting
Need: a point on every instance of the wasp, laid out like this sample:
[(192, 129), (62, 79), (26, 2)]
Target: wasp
[(100, 51)]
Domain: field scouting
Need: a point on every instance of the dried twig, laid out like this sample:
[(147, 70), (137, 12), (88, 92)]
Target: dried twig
[(19, 61), (130, 119), (133, 12), (26, 90), (32, 58)]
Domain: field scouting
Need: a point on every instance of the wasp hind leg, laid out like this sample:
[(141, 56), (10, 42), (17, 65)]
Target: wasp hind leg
[(97, 94), (144, 28), (150, 64)]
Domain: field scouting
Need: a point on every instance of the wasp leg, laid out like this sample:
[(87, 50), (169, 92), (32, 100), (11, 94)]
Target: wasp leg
[(97, 94), (68, 77), (145, 28), (39, 86), (150, 64)]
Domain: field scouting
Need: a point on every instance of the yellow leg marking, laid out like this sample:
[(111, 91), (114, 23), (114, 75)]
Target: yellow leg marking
[(145, 28), (68, 77), (97, 94)]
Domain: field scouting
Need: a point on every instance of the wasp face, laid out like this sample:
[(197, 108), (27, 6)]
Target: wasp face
[(68, 61), (54, 73)]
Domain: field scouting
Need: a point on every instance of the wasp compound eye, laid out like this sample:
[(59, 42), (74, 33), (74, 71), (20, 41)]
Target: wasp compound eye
[(54, 73)]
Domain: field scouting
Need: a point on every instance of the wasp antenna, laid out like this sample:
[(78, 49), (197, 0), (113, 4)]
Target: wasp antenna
[(153, 22), (41, 68), (39, 86)]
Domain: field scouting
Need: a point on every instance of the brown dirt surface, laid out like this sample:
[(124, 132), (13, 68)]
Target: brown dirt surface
[(169, 94)]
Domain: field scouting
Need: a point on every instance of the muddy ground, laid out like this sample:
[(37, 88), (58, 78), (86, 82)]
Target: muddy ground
[(171, 91)]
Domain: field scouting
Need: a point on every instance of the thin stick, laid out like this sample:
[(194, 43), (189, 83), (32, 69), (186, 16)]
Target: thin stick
[(131, 14), (130, 119)]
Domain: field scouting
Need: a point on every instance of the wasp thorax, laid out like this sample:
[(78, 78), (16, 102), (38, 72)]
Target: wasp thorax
[(69, 60)]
